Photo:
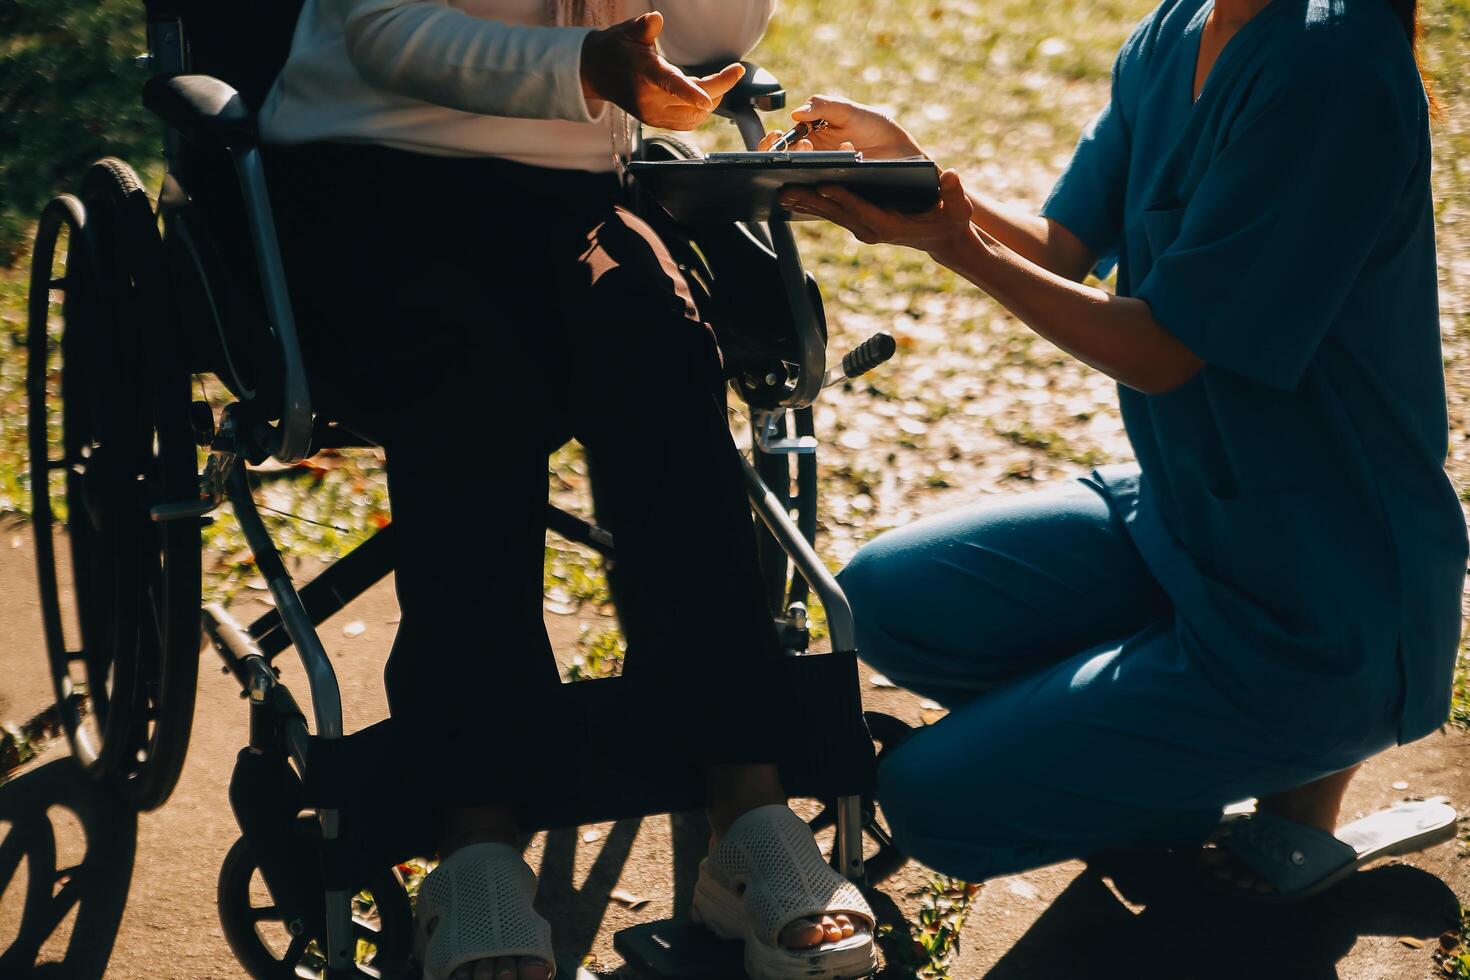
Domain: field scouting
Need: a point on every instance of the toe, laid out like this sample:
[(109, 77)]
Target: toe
[(831, 930), (534, 969), (802, 934), (845, 925)]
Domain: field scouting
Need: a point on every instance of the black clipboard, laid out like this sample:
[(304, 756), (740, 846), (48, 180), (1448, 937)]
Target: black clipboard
[(725, 187)]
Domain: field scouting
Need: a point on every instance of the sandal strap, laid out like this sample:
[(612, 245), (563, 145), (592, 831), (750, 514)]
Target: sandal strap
[(476, 905), (1290, 855), (770, 852)]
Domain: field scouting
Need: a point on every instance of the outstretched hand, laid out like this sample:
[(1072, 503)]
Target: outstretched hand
[(621, 65), (851, 126), (937, 231)]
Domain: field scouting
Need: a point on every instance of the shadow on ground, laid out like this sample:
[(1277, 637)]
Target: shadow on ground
[(1147, 917), (67, 851), (66, 860), (1156, 922)]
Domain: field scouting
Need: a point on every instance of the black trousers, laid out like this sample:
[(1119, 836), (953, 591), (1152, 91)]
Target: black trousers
[(481, 313)]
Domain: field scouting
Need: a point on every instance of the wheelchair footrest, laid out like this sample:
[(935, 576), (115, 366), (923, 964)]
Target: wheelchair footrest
[(616, 748), (678, 949)]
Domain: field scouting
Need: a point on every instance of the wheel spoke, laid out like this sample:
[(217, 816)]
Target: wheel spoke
[(294, 951), (266, 913), (363, 929), (57, 283)]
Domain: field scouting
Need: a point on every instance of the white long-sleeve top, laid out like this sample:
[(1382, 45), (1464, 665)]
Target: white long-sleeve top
[(473, 77)]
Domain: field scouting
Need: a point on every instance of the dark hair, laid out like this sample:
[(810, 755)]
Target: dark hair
[(1407, 11)]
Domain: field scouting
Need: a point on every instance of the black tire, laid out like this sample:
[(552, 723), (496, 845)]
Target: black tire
[(247, 926), (70, 393), (106, 383), (161, 585)]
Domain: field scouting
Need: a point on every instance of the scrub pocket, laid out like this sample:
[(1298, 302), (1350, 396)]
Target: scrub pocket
[(1161, 226)]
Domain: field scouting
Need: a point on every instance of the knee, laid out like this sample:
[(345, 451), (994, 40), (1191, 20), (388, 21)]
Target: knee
[(871, 583), (941, 813)]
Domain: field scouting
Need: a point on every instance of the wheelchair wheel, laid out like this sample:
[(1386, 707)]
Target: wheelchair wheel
[(270, 948), (68, 387), (109, 386), (164, 576)]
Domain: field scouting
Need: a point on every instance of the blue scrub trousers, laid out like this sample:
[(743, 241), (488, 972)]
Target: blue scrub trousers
[(1077, 723)]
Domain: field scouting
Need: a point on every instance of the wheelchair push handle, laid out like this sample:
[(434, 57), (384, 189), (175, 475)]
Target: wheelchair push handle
[(863, 358)]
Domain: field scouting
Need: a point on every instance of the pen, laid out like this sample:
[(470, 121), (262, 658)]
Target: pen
[(797, 133)]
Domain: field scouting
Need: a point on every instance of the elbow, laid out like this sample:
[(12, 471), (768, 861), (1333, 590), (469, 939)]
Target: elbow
[(1165, 378), (368, 42)]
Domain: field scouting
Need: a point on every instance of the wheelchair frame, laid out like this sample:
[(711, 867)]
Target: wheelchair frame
[(201, 110)]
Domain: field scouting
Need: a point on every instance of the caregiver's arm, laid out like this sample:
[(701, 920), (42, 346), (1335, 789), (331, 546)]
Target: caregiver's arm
[(878, 136), (1118, 335), (1115, 334), (1037, 239)]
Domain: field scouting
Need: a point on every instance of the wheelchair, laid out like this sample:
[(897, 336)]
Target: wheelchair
[(128, 305)]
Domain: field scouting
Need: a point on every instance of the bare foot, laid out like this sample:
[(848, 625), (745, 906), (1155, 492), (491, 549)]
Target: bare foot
[(1317, 804)]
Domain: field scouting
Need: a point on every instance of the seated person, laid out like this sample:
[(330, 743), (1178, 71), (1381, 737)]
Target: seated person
[(466, 272), (1271, 594)]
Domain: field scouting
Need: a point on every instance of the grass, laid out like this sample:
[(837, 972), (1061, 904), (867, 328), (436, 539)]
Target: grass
[(974, 403)]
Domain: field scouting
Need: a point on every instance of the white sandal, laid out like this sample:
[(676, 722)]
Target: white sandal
[(766, 873), (476, 905)]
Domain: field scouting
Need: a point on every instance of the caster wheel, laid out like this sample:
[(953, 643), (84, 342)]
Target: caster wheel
[(270, 947)]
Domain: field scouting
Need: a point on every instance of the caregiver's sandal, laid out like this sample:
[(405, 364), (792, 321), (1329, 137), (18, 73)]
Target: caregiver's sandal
[(474, 920), (767, 873), (1269, 858)]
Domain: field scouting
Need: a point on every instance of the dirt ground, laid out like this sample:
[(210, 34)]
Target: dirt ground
[(137, 899)]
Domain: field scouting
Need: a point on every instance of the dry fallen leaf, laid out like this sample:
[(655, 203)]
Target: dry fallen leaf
[(878, 680), (628, 898), (560, 608), (1411, 942), (355, 628)]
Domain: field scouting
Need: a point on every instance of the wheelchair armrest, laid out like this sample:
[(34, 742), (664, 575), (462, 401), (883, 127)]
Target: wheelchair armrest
[(203, 109), (758, 89)]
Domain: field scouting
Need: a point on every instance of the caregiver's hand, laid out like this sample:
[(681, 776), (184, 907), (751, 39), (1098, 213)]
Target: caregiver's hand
[(621, 65), (941, 231), (870, 132)]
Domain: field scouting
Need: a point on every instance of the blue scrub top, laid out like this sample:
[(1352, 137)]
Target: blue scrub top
[(1292, 497)]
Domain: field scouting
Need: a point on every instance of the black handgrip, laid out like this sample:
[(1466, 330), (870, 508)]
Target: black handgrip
[(869, 354)]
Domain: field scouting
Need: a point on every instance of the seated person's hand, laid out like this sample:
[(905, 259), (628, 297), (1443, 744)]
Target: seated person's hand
[(851, 126), (621, 65)]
